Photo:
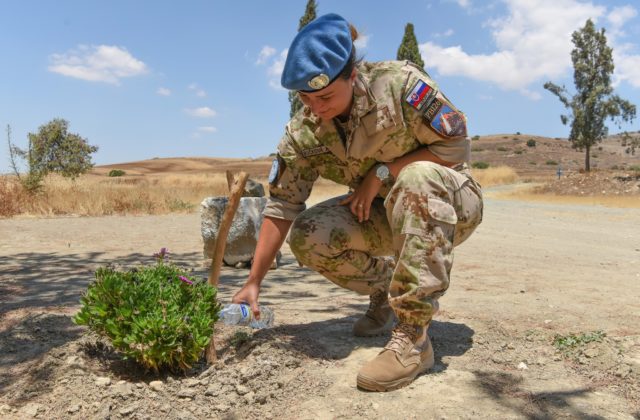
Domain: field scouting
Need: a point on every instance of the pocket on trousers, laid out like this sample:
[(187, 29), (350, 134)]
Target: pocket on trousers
[(441, 211)]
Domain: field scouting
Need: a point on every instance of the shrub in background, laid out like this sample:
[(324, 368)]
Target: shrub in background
[(116, 172), (480, 165), (156, 315), (531, 143)]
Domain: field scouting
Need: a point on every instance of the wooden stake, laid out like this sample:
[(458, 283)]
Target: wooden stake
[(221, 241)]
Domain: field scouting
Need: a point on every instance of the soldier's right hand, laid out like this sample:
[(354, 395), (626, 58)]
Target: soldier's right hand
[(249, 295)]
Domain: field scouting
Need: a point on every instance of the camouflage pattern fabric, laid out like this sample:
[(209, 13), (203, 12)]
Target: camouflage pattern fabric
[(417, 220), (429, 210)]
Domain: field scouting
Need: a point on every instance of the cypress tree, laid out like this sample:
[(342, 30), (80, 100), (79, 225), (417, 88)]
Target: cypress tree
[(594, 100), (408, 49), (309, 15)]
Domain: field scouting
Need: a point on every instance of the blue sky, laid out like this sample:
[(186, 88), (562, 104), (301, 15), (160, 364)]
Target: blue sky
[(143, 79)]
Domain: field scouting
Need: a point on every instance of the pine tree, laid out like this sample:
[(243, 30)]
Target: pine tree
[(594, 101), (309, 15), (408, 49)]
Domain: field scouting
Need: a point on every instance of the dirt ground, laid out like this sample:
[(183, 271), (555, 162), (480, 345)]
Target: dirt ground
[(530, 273)]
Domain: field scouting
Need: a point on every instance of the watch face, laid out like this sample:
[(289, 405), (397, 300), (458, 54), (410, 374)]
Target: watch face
[(382, 172)]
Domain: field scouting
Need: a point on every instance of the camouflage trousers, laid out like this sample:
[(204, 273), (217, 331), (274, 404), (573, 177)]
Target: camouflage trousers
[(429, 210)]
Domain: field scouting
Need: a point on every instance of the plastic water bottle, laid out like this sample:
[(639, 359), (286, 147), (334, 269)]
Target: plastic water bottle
[(241, 315)]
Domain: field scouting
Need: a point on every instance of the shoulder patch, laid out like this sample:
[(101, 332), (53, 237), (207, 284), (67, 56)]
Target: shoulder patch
[(447, 121), (277, 168), (421, 95)]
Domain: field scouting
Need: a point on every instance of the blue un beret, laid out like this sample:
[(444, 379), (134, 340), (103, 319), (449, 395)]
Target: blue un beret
[(317, 54)]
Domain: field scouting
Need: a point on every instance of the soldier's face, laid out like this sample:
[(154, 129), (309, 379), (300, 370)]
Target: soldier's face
[(332, 101)]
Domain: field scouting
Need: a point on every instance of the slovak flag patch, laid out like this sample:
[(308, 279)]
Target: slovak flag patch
[(420, 95)]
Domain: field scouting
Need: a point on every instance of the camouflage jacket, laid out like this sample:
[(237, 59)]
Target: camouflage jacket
[(397, 109)]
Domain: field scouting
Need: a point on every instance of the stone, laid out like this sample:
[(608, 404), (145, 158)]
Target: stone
[(123, 390), (187, 393), (31, 409), (253, 189), (591, 352), (243, 234), (191, 382), (74, 408), (5, 409), (242, 390), (103, 381), (212, 391), (125, 411), (522, 366), (156, 385)]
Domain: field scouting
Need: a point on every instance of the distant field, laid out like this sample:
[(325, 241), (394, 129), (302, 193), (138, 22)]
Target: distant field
[(167, 185)]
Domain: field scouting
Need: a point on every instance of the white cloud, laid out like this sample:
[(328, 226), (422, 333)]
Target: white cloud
[(275, 69), (202, 112), (362, 42), (620, 15), (265, 53), (444, 34), (465, 4), (97, 63), (533, 45), (207, 129), (197, 90), (163, 91)]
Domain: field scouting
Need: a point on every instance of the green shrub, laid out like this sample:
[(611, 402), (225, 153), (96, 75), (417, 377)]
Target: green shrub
[(476, 137), (502, 149), (480, 165), (635, 168), (116, 172), (176, 204), (551, 162), (156, 315), (566, 343), (531, 143), (518, 151)]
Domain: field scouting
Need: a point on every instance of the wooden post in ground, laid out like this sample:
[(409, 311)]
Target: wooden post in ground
[(235, 194)]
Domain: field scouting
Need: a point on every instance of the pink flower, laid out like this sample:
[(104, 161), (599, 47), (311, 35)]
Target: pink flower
[(185, 280)]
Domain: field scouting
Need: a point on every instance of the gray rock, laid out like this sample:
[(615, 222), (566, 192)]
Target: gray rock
[(243, 234), (253, 189), (187, 393)]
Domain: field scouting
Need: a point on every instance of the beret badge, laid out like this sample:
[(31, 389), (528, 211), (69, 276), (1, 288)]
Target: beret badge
[(319, 82)]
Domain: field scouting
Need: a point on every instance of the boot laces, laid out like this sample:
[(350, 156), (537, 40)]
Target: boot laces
[(401, 336)]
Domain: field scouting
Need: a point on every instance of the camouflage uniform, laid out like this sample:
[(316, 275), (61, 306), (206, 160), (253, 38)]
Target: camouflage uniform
[(429, 209)]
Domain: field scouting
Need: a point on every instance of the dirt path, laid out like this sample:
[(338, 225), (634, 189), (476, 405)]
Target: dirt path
[(530, 272)]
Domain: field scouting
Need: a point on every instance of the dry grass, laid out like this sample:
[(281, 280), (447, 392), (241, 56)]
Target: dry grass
[(498, 175), (93, 195), (97, 195), (527, 194)]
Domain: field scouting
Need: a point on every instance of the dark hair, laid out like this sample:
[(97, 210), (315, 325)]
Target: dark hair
[(346, 71)]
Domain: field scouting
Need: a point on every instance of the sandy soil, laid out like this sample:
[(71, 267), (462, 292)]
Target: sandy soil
[(532, 271)]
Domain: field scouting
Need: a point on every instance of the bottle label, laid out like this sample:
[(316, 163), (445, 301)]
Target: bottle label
[(245, 311)]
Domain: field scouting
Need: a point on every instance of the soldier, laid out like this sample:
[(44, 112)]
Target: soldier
[(387, 131)]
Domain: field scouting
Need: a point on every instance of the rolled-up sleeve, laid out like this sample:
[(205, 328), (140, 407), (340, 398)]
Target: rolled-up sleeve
[(292, 183)]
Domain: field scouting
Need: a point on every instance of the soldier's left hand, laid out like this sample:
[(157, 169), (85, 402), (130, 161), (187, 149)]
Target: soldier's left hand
[(360, 200)]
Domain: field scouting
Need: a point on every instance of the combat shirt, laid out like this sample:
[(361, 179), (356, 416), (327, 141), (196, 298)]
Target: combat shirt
[(385, 123)]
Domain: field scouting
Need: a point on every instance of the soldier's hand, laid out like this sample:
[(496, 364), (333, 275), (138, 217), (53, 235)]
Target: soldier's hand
[(249, 295), (360, 200)]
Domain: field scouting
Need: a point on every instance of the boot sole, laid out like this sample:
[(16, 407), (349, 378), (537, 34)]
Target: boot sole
[(370, 384)]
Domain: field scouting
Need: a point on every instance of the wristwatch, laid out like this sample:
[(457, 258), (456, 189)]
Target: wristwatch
[(384, 174)]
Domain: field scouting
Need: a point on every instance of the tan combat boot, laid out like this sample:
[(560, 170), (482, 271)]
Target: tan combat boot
[(379, 317), (408, 354)]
